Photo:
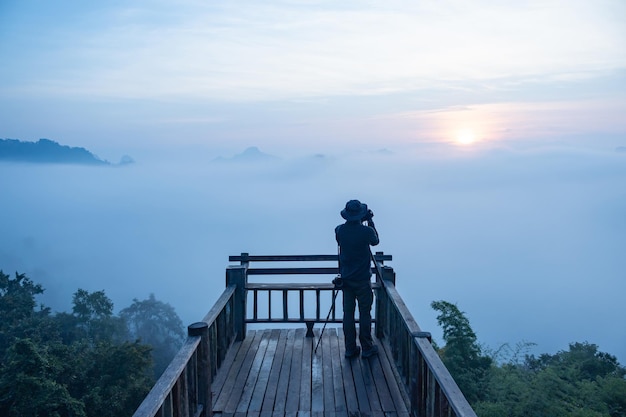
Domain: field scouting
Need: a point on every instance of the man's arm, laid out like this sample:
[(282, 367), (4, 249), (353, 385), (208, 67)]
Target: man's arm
[(374, 240)]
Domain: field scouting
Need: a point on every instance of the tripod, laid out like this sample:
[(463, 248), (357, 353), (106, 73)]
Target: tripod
[(332, 307)]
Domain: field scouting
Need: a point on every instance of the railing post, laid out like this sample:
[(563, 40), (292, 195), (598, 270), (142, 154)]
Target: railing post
[(389, 275), (204, 366), (237, 275), (382, 304), (380, 254)]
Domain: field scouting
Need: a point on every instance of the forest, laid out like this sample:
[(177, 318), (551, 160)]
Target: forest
[(581, 381), (92, 362), (89, 362)]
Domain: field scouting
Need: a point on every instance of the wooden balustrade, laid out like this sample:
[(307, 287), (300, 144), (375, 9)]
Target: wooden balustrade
[(184, 388), (432, 390)]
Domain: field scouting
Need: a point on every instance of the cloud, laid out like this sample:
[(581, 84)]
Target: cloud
[(285, 50), (181, 83), (310, 75), (517, 120), (531, 237)]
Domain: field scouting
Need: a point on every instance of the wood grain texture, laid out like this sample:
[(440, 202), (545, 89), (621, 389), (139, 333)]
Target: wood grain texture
[(276, 373)]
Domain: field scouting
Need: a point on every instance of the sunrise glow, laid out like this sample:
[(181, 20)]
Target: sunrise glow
[(465, 137)]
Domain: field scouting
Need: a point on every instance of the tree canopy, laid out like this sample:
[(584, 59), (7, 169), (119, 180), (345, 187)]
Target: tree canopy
[(85, 363), (579, 382), (91, 362), (155, 323), (462, 354)]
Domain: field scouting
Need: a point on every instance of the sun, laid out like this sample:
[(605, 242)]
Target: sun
[(465, 137)]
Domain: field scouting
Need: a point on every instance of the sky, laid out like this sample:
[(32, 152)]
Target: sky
[(305, 74), (485, 135)]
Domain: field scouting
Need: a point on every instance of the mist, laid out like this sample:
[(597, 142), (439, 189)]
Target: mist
[(529, 243)]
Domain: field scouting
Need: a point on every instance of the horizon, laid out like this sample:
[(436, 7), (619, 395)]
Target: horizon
[(123, 77)]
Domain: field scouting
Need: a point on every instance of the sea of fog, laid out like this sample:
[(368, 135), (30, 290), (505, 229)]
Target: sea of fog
[(529, 244)]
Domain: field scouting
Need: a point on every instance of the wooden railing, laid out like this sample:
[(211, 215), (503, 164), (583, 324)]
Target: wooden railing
[(431, 389), (184, 389), (307, 293)]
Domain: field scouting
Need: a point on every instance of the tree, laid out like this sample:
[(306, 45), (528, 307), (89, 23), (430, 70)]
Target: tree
[(17, 297), (462, 354), (92, 319), (67, 365), (20, 318), (583, 361), (111, 379), (28, 385), (579, 382), (91, 306), (585, 376), (155, 323)]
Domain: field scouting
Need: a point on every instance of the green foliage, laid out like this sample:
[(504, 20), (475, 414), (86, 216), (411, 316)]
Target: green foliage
[(91, 319), (557, 386), (579, 382), (583, 361), (18, 297), (20, 318), (74, 364), (461, 354), (28, 385), (91, 306), (115, 380), (155, 323)]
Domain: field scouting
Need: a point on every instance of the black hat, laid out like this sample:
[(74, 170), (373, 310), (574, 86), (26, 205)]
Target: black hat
[(355, 210)]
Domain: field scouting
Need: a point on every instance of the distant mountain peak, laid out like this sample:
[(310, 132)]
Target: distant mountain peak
[(250, 154), (46, 151)]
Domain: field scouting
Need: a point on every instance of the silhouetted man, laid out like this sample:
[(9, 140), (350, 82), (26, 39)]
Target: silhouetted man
[(354, 240)]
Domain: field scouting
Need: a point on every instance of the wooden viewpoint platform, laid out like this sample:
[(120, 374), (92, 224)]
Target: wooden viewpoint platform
[(277, 373), (225, 368)]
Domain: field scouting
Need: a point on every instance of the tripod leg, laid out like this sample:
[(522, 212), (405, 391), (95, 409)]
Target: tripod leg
[(332, 307)]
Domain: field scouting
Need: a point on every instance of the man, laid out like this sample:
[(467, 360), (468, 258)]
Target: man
[(354, 240)]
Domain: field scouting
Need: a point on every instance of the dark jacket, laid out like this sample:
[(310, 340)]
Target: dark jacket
[(354, 241)]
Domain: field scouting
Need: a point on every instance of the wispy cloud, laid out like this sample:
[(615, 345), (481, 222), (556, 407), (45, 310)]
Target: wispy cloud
[(515, 120), (258, 50)]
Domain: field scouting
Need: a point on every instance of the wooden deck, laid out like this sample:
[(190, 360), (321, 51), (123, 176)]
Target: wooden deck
[(275, 373)]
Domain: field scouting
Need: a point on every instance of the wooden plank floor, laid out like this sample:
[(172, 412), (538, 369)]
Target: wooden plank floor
[(276, 373)]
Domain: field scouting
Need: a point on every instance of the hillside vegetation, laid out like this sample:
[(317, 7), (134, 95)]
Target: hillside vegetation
[(91, 362), (581, 381)]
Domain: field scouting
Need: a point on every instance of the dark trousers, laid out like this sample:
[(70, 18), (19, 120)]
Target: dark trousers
[(361, 292)]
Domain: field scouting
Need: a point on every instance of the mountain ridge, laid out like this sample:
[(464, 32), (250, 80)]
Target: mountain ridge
[(46, 151), (250, 154)]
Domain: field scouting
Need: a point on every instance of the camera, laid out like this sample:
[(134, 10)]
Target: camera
[(338, 281), (368, 216)]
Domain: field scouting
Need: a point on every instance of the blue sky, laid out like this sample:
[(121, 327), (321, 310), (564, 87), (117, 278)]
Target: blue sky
[(310, 75), (501, 189)]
